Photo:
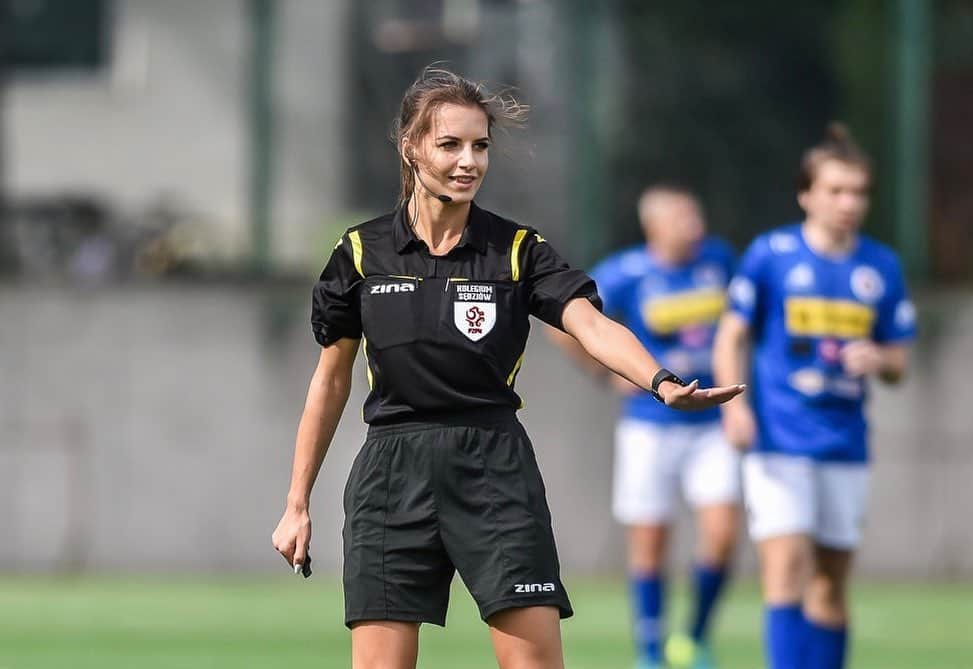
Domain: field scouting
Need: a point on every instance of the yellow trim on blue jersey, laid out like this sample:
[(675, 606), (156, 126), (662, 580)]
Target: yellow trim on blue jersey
[(822, 317), (356, 250), (515, 254), (665, 315)]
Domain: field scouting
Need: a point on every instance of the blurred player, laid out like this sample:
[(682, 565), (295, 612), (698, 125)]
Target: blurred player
[(824, 308), (670, 292)]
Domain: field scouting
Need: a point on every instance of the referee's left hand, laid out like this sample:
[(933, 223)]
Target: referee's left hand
[(692, 398)]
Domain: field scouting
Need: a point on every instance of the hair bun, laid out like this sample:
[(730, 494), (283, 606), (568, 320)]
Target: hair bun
[(837, 144)]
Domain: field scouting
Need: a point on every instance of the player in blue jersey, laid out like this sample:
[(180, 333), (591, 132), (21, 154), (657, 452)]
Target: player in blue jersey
[(820, 309), (671, 292)]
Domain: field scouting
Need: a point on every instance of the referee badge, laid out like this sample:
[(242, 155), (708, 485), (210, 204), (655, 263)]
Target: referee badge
[(475, 310)]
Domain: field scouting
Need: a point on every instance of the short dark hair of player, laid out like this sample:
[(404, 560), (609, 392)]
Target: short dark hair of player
[(666, 188), (837, 144), (662, 188), (434, 87)]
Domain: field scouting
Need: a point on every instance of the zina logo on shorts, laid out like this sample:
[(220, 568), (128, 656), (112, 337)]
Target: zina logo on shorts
[(534, 587), (383, 288)]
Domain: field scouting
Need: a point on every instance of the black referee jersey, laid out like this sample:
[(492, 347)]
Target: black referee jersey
[(441, 334)]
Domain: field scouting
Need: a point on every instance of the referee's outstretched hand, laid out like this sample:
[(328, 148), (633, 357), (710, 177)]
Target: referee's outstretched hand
[(692, 398)]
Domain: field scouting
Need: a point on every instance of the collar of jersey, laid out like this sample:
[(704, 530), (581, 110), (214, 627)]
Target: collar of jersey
[(474, 234), (836, 259)]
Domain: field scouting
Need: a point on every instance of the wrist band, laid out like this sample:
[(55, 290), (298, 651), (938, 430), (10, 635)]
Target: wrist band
[(660, 376)]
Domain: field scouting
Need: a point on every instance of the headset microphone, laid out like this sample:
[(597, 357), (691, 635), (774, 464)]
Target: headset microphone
[(438, 196)]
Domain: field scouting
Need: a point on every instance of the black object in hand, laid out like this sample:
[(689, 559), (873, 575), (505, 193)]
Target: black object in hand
[(306, 567)]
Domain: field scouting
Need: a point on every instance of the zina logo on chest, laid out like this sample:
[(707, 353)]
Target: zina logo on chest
[(383, 288)]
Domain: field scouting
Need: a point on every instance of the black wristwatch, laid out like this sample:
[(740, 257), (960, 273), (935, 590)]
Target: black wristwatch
[(664, 375)]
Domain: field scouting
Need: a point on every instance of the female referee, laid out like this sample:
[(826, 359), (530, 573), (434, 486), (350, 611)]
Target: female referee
[(824, 309), (439, 292)]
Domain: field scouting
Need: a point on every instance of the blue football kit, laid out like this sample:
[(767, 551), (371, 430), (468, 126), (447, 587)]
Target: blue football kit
[(802, 308), (673, 311)]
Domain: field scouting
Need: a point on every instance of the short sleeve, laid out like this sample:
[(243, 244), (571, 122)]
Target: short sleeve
[(747, 288), (613, 285), (335, 306), (551, 283), (896, 320)]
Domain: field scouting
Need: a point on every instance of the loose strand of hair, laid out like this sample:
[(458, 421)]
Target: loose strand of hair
[(435, 86)]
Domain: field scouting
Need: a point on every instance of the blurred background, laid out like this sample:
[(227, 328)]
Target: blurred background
[(173, 175)]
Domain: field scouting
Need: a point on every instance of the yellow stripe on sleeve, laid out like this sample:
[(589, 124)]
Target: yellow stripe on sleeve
[(515, 254), (356, 250), (368, 367), (513, 372)]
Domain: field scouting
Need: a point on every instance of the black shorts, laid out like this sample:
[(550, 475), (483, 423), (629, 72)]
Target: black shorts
[(424, 500)]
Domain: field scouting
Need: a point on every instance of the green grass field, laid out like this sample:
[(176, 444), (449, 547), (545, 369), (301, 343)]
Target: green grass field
[(243, 624)]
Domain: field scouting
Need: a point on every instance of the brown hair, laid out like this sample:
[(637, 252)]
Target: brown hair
[(666, 188), (836, 145), (434, 87)]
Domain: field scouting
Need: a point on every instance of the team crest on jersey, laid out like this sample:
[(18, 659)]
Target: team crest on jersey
[(475, 319), (474, 310), (867, 284)]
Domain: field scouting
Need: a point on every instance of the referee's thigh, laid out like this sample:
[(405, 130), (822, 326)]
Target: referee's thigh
[(495, 522), (395, 565)]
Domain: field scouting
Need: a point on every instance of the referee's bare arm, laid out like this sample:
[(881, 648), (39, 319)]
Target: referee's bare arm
[(614, 346), (327, 395)]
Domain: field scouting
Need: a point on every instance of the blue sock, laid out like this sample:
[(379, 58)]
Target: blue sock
[(826, 646), (708, 584), (648, 593), (784, 635)]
